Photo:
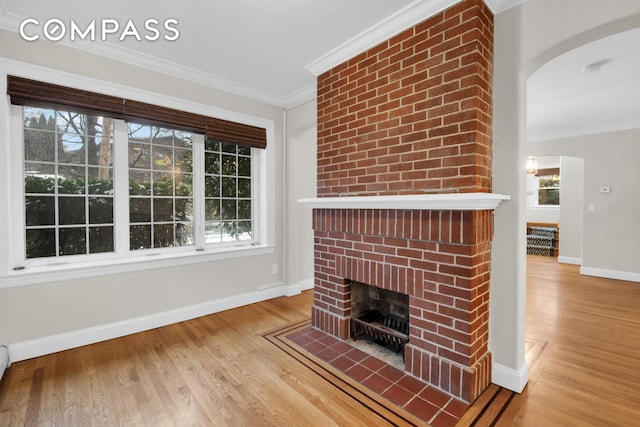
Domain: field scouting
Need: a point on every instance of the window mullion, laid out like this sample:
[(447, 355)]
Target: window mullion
[(198, 192), (17, 190), (121, 187)]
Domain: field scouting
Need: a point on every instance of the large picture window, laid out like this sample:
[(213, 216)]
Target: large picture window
[(104, 178)]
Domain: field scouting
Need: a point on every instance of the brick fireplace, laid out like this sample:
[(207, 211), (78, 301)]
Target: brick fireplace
[(404, 174)]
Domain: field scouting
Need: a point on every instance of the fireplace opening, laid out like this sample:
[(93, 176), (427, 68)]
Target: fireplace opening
[(379, 315)]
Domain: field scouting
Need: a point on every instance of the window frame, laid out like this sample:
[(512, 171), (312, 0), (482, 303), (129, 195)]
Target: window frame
[(550, 205), (12, 251)]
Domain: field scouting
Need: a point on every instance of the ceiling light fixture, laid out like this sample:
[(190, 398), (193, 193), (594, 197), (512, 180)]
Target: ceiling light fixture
[(595, 66)]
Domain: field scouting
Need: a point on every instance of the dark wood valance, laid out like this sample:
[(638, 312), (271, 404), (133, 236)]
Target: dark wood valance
[(149, 114), (40, 94), (548, 172), (236, 133)]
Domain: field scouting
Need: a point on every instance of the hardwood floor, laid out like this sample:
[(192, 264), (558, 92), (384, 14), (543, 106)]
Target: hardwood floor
[(583, 346), (585, 336)]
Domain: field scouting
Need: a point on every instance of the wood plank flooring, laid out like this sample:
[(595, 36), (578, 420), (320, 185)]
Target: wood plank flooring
[(583, 346), (585, 354)]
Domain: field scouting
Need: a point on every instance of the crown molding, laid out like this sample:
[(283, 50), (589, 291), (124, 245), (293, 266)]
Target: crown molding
[(498, 6), (299, 97), (11, 22), (406, 17), (410, 15), (573, 133)]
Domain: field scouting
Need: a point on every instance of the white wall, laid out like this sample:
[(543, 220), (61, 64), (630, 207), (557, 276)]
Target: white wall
[(301, 182), (41, 317), (525, 38), (610, 234), (571, 209)]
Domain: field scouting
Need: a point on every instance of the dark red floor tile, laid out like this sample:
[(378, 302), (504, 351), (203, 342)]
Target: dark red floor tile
[(391, 373), (302, 340), (421, 409), (328, 340), (398, 395), (444, 420), (435, 396), (373, 363), (316, 334), (456, 407), (359, 373), (342, 363), (412, 384), (341, 347), (356, 354), (314, 347), (377, 383), (328, 354)]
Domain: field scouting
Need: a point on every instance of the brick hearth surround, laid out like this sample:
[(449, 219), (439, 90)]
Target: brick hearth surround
[(412, 115)]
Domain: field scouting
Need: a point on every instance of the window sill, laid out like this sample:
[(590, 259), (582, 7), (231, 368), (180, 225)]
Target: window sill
[(72, 271), (544, 208)]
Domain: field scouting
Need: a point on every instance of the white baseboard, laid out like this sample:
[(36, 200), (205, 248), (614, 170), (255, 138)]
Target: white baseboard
[(51, 344), (514, 380), (610, 274), (303, 285), (570, 260)]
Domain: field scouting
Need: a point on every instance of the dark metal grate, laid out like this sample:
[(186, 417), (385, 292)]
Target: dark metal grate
[(389, 331)]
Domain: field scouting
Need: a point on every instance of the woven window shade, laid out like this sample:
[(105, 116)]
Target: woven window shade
[(236, 133), (47, 95), (40, 94), (548, 172), (150, 114)]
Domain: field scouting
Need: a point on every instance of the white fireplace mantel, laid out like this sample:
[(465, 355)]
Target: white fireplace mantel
[(451, 201)]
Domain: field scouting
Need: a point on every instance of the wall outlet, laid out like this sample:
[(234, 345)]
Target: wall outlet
[(274, 269)]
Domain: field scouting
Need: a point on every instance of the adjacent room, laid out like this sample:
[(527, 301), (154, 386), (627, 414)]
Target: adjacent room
[(408, 212)]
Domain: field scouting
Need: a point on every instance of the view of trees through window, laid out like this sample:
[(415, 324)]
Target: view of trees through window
[(227, 183), (69, 186), (68, 177), (549, 190), (160, 187)]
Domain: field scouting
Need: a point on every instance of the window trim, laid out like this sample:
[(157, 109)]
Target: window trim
[(102, 264)]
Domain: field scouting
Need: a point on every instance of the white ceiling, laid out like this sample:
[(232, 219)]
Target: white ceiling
[(270, 51), (564, 99), (255, 48)]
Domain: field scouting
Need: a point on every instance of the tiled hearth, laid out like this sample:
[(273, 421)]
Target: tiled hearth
[(404, 390)]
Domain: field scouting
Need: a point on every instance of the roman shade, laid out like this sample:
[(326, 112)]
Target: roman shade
[(548, 172), (155, 115), (40, 94), (34, 93)]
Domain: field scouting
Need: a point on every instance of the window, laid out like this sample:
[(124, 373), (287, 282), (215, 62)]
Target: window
[(227, 183), (160, 187), (69, 186), (68, 183), (548, 190), (111, 185)]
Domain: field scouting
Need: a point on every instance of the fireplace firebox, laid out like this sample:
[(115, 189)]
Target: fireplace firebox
[(381, 315)]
